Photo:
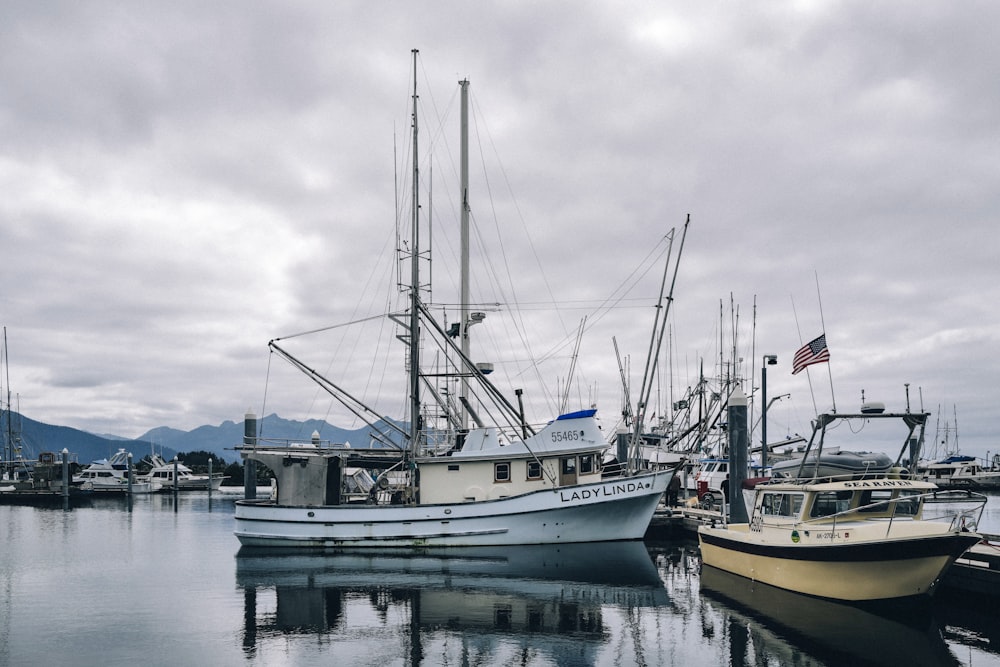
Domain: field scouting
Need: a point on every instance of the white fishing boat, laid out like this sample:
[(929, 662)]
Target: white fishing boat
[(439, 482), (545, 489), (860, 537)]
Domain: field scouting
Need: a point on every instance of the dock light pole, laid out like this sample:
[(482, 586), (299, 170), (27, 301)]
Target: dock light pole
[(769, 360), (65, 479), (130, 474), (249, 465), (65, 473)]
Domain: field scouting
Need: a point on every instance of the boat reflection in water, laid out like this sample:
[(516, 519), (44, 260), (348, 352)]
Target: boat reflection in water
[(504, 597), (830, 631)]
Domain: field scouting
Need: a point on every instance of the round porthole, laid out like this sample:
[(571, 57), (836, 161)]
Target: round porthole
[(447, 511), (311, 514)]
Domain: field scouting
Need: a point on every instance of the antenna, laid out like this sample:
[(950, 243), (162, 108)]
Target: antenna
[(798, 329), (819, 297)]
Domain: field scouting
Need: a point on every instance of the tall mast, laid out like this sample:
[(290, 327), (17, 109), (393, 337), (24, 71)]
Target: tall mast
[(464, 313), (415, 282), (8, 445), (656, 342)]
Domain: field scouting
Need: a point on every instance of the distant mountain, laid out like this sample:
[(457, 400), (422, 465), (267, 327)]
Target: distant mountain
[(220, 440), (111, 436), (36, 437)]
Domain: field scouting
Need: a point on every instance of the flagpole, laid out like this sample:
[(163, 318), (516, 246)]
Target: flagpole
[(822, 321), (798, 329)]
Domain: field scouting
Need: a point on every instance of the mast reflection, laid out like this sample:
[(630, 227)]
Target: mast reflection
[(497, 593)]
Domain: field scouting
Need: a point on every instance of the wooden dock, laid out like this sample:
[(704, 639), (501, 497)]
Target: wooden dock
[(670, 522), (977, 572)]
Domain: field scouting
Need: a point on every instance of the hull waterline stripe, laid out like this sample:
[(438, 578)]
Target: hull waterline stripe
[(905, 549)]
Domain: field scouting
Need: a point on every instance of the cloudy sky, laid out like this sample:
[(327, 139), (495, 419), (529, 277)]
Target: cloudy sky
[(184, 181)]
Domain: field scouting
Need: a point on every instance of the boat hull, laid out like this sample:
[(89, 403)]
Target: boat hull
[(857, 571), (614, 509), (198, 484), (848, 633), (194, 483)]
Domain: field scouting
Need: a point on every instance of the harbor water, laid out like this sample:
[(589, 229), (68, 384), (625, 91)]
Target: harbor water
[(164, 582)]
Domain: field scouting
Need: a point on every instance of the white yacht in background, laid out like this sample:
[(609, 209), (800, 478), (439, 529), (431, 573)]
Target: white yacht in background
[(961, 471), (111, 476), (163, 473)]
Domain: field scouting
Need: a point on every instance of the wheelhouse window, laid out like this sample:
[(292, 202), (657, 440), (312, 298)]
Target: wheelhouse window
[(781, 504), (830, 502), (503, 617), (906, 503), (569, 465), (876, 500), (534, 470), (586, 464), (501, 472)]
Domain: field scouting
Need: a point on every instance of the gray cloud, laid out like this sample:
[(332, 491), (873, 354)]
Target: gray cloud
[(185, 182)]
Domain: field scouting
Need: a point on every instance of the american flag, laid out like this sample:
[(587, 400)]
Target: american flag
[(813, 352)]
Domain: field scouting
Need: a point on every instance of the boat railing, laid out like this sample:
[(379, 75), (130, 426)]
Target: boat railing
[(290, 443), (964, 519), (318, 445), (846, 477), (966, 507)]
